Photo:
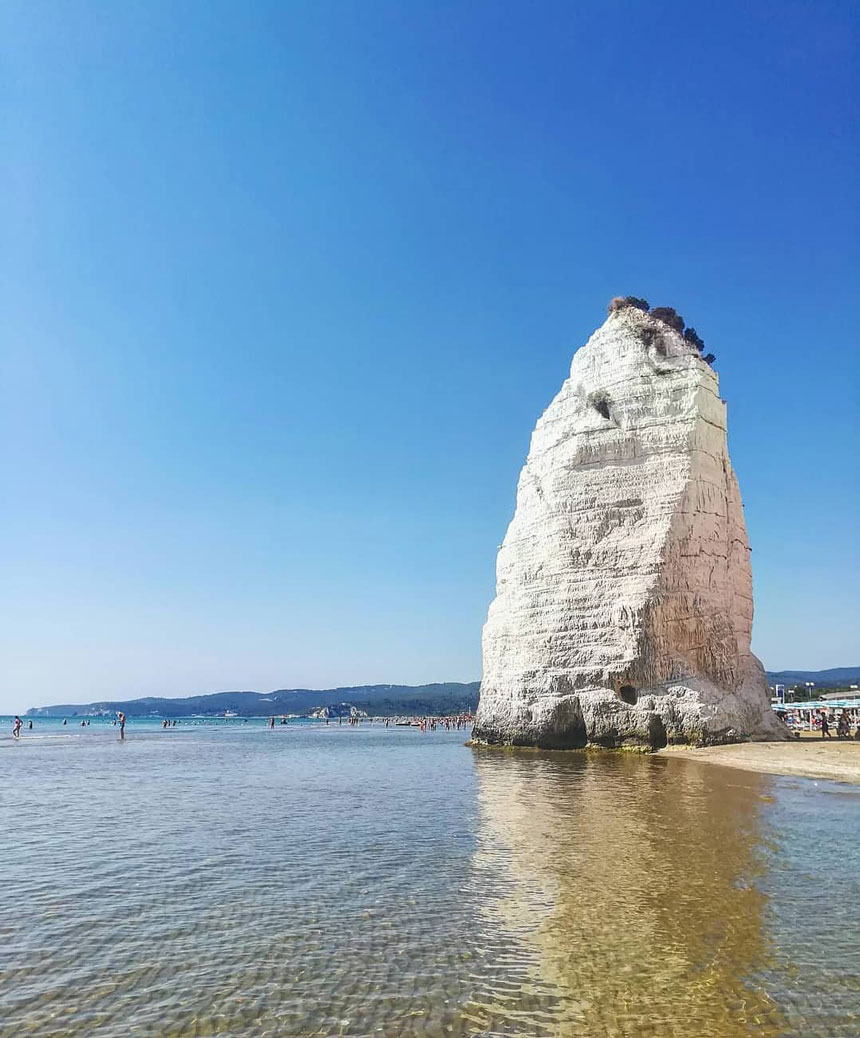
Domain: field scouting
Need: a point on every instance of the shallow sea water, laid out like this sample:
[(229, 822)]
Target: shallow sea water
[(325, 880)]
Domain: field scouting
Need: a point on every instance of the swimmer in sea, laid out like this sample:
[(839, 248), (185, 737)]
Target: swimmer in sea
[(17, 724), (121, 718)]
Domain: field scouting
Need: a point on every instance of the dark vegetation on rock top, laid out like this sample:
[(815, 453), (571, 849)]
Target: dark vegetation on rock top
[(669, 316)]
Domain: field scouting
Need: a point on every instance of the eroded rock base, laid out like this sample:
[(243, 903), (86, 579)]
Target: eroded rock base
[(673, 714)]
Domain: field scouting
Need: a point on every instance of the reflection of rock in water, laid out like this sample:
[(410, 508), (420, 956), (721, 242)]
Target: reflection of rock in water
[(626, 898)]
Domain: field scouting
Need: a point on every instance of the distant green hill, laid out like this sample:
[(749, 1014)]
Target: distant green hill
[(836, 677), (450, 697)]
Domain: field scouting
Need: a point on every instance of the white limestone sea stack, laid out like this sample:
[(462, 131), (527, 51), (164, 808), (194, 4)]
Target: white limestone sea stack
[(624, 608)]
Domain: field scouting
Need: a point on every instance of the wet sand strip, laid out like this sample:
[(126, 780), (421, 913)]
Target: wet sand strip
[(837, 760)]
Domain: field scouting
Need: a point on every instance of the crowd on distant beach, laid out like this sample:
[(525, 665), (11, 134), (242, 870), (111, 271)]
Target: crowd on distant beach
[(824, 722), (424, 724), (449, 723)]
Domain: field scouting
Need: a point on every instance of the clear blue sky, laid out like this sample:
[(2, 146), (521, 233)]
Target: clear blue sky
[(286, 286)]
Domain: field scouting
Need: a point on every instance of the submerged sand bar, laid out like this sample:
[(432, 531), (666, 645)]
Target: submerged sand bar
[(837, 760)]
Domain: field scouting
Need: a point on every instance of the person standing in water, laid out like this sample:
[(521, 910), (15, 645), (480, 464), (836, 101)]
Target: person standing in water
[(17, 725), (121, 718)]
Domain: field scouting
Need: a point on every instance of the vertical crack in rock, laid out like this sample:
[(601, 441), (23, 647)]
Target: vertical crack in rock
[(623, 608)]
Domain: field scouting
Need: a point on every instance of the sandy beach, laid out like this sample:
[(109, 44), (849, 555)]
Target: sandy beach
[(810, 757)]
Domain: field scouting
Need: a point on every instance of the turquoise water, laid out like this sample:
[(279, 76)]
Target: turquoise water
[(325, 880), (46, 727)]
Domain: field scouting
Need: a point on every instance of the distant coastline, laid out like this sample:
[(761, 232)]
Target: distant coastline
[(439, 699)]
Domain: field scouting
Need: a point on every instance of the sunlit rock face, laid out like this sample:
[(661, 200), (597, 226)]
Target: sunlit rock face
[(623, 607)]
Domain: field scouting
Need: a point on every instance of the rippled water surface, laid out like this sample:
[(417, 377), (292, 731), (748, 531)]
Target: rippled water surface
[(317, 880)]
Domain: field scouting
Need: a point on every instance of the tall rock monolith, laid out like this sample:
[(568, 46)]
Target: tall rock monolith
[(624, 607)]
